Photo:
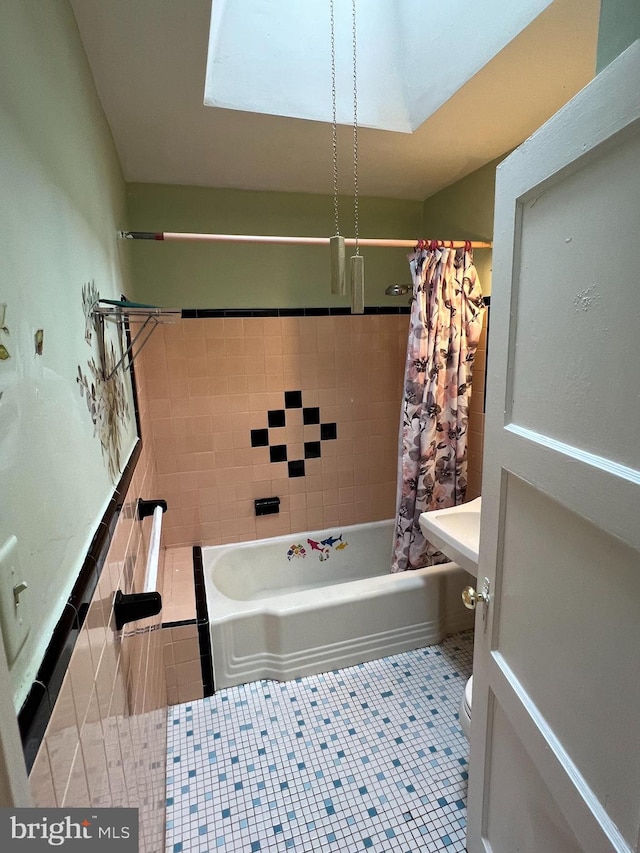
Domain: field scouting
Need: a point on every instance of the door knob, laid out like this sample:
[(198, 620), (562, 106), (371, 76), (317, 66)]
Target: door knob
[(470, 597)]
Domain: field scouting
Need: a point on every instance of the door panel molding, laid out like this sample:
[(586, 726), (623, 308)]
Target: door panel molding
[(593, 828), (601, 489)]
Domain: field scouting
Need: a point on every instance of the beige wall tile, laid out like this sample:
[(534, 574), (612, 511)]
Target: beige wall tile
[(95, 759), (90, 728), (41, 782), (189, 672), (320, 356), (76, 793), (190, 692)]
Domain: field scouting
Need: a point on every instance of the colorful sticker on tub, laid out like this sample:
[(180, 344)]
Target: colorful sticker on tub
[(324, 546), (296, 551)]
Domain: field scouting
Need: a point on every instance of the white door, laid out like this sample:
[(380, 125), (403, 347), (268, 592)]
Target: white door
[(555, 732)]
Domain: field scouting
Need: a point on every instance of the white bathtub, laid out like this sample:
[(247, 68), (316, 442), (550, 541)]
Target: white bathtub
[(279, 611)]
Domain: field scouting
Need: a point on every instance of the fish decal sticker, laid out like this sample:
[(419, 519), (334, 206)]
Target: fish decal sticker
[(319, 546), (324, 546)]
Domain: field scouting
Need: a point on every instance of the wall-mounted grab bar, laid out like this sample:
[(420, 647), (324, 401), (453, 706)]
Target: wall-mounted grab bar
[(141, 605)]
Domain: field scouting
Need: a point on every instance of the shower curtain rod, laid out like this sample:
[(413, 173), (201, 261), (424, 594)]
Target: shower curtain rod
[(304, 241)]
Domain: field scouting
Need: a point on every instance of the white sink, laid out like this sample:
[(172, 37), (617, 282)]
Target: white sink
[(456, 532)]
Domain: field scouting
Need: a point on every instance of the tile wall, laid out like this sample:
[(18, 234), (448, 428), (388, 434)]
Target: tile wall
[(105, 744), (217, 387), (180, 642)]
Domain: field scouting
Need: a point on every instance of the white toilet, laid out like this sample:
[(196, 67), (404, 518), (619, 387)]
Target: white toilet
[(465, 708)]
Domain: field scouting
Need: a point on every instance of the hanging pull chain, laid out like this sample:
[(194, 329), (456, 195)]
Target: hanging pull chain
[(334, 124), (355, 131), (336, 243), (357, 261)]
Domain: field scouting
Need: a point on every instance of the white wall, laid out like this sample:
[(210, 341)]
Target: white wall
[(62, 201)]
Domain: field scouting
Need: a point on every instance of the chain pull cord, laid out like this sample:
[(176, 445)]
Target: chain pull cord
[(336, 243), (334, 123), (357, 261), (356, 224)]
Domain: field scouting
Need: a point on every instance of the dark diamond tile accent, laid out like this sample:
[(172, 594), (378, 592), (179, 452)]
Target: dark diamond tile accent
[(328, 431), (293, 399), (278, 453), (259, 437), (311, 449), (311, 415), (276, 417), (296, 469)]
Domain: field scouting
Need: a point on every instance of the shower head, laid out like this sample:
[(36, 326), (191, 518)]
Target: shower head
[(397, 289)]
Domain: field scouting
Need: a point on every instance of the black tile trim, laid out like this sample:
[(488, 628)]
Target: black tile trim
[(181, 623), (202, 615), (132, 372), (334, 311), (37, 708)]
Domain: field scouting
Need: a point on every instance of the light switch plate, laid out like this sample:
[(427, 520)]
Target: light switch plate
[(14, 619)]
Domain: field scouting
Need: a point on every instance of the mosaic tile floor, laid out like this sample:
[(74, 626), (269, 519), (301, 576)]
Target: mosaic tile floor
[(369, 758)]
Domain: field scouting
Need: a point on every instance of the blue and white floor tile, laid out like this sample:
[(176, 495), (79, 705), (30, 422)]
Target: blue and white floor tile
[(369, 758)]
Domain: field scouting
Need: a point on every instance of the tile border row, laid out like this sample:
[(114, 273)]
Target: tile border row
[(331, 311), (340, 311), (202, 619)]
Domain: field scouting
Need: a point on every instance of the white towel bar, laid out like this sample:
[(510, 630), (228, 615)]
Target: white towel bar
[(151, 577)]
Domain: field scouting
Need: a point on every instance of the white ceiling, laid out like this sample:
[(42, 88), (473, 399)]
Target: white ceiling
[(148, 59)]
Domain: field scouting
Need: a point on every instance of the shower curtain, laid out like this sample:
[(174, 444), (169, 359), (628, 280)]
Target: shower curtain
[(446, 321)]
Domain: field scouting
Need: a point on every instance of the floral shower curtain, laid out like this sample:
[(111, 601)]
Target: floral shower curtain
[(446, 321)]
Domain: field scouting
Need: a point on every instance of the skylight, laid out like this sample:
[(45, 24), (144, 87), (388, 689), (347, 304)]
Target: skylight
[(273, 56)]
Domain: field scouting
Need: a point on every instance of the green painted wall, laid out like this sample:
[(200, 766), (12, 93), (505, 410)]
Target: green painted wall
[(62, 200), (619, 27), (191, 275), (464, 211)]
